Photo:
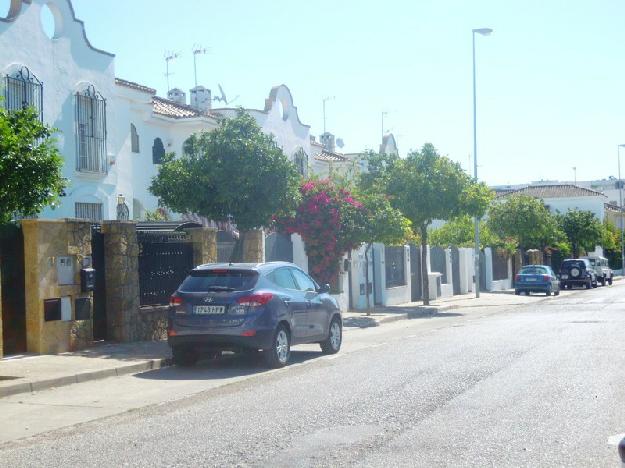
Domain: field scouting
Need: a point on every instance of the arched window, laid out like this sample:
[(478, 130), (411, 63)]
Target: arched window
[(23, 89), (91, 131), (134, 139), (158, 151), (300, 159)]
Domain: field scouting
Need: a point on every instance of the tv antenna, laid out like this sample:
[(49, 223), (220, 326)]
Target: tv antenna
[(223, 97), (383, 114), (198, 50), (325, 99), (169, 56)]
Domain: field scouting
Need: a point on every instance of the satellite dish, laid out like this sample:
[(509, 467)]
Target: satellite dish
[(339, 142)]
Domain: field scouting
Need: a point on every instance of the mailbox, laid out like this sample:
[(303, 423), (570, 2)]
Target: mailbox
[(87, 279)]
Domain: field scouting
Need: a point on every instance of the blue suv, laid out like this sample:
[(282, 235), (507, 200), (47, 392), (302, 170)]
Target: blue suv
[(251, 307)]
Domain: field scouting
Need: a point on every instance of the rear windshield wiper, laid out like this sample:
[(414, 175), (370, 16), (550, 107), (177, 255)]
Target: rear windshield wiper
[(220, 288)]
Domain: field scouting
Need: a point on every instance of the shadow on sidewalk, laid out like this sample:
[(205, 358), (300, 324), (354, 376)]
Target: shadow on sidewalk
[(227, 366)]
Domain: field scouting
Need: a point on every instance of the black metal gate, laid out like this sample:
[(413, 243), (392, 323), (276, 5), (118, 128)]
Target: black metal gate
[(415, 273), (482, 271), (438, 262), (165, 259), (99, 293), (13, 289), (278, 247), (455, 269)]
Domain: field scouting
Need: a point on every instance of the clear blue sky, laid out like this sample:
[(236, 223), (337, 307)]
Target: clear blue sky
[(550, 79)]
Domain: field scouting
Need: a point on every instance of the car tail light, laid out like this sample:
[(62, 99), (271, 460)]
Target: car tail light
[(176, 302), (546, 277), (255, 300), (245, 303)]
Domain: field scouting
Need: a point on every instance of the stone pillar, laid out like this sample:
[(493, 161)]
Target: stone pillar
[(52, 247), (535, 257), (254, 246), (121, 260), (204, 245)]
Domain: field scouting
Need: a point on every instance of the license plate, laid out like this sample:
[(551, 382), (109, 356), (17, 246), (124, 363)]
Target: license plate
[(209, 310), (564, 276), (531, 279)]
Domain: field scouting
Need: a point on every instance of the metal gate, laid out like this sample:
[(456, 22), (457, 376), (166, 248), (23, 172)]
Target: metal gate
[(415, 273), (99, 293), (438, 262), (455, 269), (165, 259), (13, 289)]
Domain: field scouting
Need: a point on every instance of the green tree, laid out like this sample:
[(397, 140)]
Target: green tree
[(460, 232), (582, 228), (426, 186), (30, 165), (525, 219), (235, 170)]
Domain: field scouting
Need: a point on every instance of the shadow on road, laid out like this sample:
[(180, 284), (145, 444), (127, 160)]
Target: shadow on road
[(227, 366)]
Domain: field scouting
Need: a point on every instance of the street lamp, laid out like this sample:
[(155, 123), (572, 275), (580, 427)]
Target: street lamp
[(483, 32), (620, 200)]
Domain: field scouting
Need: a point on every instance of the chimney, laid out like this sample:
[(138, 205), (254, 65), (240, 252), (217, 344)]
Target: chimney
[(201, 98), (177, 95), (327, 140)]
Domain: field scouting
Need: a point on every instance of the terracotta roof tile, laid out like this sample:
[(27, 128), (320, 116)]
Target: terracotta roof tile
[(555, 191), (133, 85), (174, 110), (327, 156)]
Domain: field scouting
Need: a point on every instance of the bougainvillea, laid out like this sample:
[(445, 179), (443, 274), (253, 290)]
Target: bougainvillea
[(331, 222)]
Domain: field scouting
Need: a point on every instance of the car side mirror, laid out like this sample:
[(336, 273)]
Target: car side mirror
[(324, 288)]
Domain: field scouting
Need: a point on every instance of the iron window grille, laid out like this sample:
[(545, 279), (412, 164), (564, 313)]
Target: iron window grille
[(90, 211), (91, 131), (300, 158), (21, 90), (158, 151)]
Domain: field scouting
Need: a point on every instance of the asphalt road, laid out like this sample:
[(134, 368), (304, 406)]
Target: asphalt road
[(540, 384)]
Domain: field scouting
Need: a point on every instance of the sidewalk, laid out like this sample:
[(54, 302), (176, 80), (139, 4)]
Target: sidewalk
[(31, 373)]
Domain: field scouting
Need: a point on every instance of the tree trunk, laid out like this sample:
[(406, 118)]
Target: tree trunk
[(367, 277), (424, 265)]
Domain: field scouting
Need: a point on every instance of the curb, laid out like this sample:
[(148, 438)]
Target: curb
[(134, 368), (417, 312)]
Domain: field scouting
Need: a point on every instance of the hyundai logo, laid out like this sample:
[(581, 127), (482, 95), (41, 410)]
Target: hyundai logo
[(208, 300)]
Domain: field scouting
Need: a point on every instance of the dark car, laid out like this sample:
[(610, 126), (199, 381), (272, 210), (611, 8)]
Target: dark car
[(536, 278), (577, 271), (251, 307)]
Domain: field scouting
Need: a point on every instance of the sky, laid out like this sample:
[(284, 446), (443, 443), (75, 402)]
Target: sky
[(550, 78)]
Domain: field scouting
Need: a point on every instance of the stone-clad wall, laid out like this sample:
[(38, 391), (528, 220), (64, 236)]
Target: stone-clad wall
[(204, 245), (44, 242), (121, 260)]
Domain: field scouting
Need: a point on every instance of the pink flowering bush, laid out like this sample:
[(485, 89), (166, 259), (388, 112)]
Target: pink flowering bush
[(331, 222)]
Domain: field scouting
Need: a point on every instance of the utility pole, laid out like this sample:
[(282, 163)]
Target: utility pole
[(197, 50), (169, 56)]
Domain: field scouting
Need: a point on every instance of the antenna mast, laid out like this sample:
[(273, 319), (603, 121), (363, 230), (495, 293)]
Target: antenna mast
[(198, 50), (169, 56), (327, 98)]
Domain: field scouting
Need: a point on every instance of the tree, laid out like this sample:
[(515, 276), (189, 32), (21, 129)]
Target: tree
[(460, 232), (30, 165), (525, 219), (582, 228), (233, 171), (426, 186)]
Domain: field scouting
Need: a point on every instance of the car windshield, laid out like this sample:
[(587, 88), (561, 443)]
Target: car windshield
[(593, 261), (219, 280), (533, 270)]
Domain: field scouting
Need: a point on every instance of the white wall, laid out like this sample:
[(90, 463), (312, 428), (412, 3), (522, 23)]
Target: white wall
[(595, 205), (396, 295)]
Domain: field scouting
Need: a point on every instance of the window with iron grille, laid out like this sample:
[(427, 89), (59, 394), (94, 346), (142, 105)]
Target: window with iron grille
[(300, 158), (90, 211), (134, 139), (158, 151), (394, 262), (23, 89), (90, 131)]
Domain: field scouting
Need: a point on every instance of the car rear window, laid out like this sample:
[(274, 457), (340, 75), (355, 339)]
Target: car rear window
[(534, 271), (573, 263), (219, 280)]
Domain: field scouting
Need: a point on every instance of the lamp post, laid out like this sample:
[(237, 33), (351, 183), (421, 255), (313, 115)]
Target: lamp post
[(483, 32), (620, 201)]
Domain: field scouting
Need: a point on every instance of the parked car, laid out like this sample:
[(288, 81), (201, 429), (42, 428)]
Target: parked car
[(251, 307), (577, 271), (536, 278), (602, 269)]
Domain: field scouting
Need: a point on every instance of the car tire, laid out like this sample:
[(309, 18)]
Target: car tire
[(610, 281), (548, 292), (556, 293), (278, 355), (184, 356), (332, 344), (588, 284), (517, 292), (603, 281), (595, 284)]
